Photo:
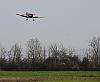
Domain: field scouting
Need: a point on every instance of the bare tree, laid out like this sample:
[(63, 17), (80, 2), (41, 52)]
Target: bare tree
[(53, 48), (44, 52), (57, 53), (34, 50), (62, 51), (15, 53), (95, 49), (2, 58), (2, 53), (52, 59)]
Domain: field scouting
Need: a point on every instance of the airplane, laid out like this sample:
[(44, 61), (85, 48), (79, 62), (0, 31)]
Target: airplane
[(29, 15)]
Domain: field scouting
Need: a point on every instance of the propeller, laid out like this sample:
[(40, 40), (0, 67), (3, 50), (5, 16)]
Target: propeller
[(26, 16), (26, 13)]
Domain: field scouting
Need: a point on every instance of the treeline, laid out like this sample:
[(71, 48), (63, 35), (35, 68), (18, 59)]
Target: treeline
[(54, 57)]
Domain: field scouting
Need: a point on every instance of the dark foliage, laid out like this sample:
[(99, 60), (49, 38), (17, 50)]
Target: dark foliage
[(54, 58)]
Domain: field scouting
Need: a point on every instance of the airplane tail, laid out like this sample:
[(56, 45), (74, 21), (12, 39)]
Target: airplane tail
[(17, 14)]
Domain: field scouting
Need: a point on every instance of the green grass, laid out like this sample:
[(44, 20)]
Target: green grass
[(55, 76)]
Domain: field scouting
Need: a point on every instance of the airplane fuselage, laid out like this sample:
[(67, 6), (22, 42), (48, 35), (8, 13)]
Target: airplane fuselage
[(30, 15)]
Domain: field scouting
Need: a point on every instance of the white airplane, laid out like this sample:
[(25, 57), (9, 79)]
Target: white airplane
[(29, 15)]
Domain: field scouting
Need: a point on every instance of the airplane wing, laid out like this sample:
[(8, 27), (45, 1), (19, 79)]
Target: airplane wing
[(21, 15), (38, 17)]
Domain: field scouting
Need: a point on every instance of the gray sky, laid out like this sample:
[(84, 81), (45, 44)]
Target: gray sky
[(70, 22)]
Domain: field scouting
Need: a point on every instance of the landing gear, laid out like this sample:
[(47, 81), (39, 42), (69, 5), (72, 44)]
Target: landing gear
[(33, 20), (27, 19)]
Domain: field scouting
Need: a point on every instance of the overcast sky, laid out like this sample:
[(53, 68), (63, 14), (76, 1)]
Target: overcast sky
[(70, 22)]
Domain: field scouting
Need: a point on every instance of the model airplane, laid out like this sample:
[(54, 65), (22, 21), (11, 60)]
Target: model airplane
[(29, 15)]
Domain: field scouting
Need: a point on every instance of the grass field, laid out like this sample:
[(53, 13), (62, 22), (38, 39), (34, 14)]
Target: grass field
[(50, 76)]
